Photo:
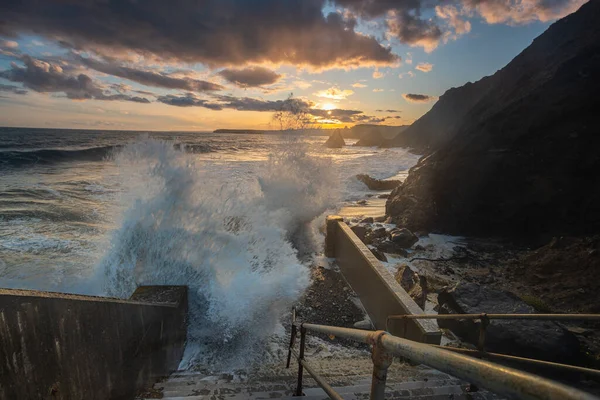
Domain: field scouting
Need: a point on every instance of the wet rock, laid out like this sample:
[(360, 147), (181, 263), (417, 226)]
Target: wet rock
[(361, 202), (368, 220), (544, 340), (378, 254), (414, 284), (383, 196), (360, 231), (403, 238), (375, 234), (383, 218), (335, 141), (390, 247), (377, 184)]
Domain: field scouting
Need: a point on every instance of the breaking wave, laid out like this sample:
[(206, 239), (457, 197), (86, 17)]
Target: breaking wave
[(15, 159), (235, 242)]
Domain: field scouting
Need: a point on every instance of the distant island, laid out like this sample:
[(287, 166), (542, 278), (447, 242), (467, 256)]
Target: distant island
[(240, 131)]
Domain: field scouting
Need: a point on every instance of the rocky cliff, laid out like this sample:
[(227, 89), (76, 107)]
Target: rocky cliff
[(517, 153)]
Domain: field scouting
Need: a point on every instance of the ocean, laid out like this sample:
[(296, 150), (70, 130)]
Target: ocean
[(236, 217)]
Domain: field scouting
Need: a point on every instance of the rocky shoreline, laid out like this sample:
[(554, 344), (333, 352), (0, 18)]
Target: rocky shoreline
[(429, 265)]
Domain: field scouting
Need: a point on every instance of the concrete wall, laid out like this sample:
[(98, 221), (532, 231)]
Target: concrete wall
[(379, 292), (60, 346)]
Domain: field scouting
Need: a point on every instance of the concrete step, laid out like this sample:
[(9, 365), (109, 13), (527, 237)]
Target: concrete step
[(431, 389)]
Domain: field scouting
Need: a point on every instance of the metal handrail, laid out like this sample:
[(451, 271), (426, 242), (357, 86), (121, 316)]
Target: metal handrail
[(542, 317), (499, 379), (485, 322)]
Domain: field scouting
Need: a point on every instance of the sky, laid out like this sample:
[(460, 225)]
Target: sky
[(199, 65)]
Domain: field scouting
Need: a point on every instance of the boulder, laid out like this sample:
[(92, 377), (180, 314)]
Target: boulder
[(378, 254), (403, 238), (390, 247), (414, 284), (360, 231), (368, 220), (377, 184), (335, 141), (375, 234), (545, 340)]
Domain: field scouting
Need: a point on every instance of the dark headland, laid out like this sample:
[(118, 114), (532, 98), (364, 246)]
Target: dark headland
[(512, 163)]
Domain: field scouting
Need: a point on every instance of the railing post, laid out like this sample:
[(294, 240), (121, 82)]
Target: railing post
[(381, 362), (330, 232), (483, 324), (292, 340), (300, 359)]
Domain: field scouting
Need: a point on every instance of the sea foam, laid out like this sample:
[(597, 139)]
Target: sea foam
[(234, 244)]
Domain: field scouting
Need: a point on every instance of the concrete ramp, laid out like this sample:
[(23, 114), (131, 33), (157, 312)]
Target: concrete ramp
[(377, 289)]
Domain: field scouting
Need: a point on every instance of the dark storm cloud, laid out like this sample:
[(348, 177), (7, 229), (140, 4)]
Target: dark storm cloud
[(418, 98), (219, 102), (214, 32), (149, 78), (12, 89), (45, 77), (250, 77), (188, 101)]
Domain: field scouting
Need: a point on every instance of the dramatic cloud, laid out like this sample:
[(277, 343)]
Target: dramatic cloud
[(418, 98), (522, 11), (45, 77), (188, 101), (424, 67), (213, 32), (359, 85), (406, 22), (452, 15), (334, 93), (250, 77), (220, 102), (12, 89), (389, 111), (149, 78)]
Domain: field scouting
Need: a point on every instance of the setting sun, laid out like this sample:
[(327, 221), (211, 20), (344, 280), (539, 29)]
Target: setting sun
[(329, 106)]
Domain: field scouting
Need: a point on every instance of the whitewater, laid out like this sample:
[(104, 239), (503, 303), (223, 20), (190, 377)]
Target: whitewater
[(236, 218)]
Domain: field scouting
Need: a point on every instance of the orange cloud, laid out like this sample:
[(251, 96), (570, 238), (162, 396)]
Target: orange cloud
[(424, 67), (334, 93)]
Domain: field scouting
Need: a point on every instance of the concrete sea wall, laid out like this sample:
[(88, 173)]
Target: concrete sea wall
[(379, 292), (61, 346)]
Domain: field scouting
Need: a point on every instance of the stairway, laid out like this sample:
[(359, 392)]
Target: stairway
[(404, 382)]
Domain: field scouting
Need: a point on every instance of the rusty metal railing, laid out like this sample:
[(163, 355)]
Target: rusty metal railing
[(485, 320), (499, 379)]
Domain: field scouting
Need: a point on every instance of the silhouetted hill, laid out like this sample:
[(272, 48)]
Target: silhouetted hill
[(517, 153)]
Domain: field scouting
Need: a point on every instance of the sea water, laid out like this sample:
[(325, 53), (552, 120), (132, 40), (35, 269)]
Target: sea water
[(236, 218)]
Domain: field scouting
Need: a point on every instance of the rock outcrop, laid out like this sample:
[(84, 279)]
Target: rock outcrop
[(377, 184), (414, 284), (335, 141), (545, 340), (517, 153)]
